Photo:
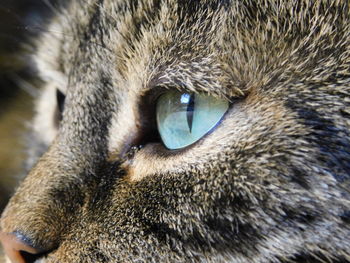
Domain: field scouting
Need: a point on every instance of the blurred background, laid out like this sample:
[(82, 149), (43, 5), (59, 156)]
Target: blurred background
[(20, 22)]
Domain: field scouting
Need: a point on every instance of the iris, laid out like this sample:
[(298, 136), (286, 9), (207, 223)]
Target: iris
[(184, 118)]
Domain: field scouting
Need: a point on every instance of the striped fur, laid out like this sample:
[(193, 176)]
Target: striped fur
[(269, 184)]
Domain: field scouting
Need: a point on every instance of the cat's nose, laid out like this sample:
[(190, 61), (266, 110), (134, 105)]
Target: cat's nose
[(18, 249)]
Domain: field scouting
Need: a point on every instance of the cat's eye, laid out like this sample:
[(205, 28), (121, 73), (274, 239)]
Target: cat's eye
[(184, 118)]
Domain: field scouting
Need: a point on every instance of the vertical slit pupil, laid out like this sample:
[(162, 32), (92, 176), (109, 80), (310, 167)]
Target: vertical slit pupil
[(190, 110)]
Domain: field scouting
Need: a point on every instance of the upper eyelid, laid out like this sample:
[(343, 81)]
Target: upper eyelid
[(164, 82), (154, 93)]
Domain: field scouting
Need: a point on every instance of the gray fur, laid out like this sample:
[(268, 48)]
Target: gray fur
[(269, 184)]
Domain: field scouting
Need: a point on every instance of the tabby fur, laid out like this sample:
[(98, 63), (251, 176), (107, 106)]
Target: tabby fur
[(271, 183)]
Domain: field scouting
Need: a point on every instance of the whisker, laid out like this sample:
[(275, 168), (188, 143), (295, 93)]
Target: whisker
[(54, 9), (71, 20), (25, 85), (35, 28), (40, 30)]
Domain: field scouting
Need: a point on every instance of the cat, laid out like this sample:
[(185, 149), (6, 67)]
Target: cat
[(188, 131)]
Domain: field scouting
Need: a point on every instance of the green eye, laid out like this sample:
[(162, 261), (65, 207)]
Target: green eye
[(184, 118)]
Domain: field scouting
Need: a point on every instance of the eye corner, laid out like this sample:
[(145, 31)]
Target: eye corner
[(60, 104), (60, 98)]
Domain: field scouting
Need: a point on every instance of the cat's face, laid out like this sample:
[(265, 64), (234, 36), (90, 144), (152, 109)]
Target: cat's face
[(180, 131)]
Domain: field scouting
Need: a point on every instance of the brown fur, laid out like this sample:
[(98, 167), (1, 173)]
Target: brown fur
[(269, 184)]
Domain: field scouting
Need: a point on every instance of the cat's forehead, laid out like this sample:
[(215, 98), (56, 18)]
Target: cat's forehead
[(227, 48), (138, 37), (149, 43)]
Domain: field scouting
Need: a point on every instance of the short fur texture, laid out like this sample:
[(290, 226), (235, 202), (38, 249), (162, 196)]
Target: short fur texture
[(270, 184)]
